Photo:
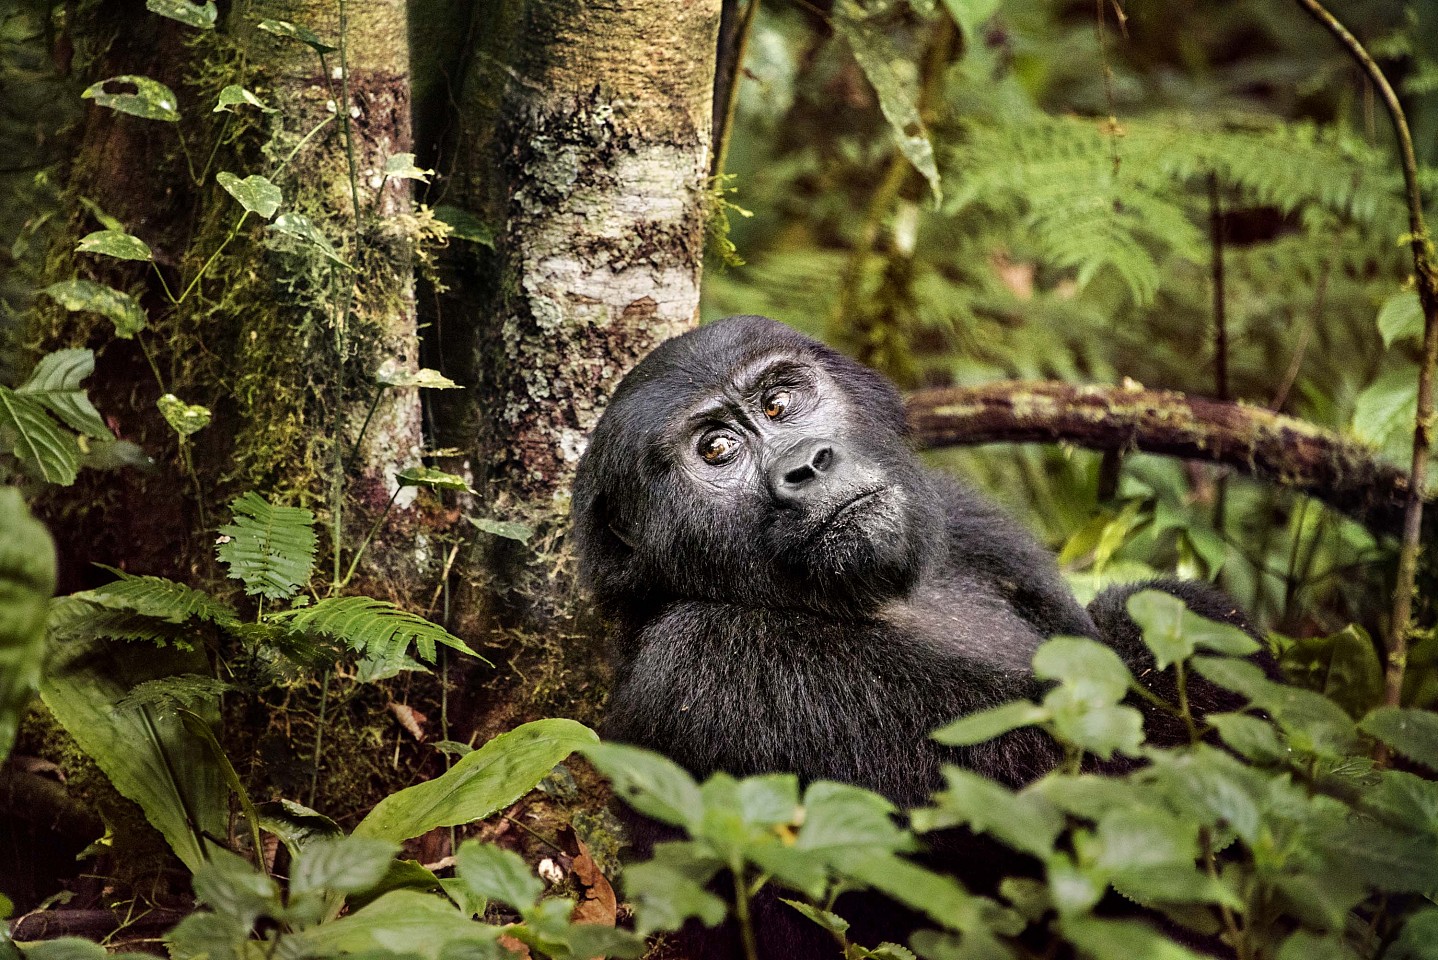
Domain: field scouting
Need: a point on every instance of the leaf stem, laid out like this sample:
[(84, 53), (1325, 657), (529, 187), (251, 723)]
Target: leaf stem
[(354, 562), (373, 406), (741, 909), (319, 737), (234, 232)]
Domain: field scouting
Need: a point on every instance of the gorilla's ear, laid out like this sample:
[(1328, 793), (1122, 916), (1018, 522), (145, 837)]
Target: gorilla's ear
[(612, 522)]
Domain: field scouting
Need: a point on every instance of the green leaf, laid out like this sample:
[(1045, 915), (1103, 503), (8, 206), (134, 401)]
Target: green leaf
[(1026, 821), (424, 379), (1401, 318), (507, 529), (487, 780), (1093, 670), (295, 824), (970, 15), (302, 228), (431, 478), (255, 193), (1418, 940), (233, 887), (115, 243), (401, 166), (1103, 939), (1387, 405), (376, 628), (26, 430), (73, 618), (234, 96), (1412, 733), (190, 691), (27, 579), (1252, 737), (201, 16), (987, 724), (498, 874), (150, 758), (1343, 666), (1172, 632), (653, 785), (1306, 945), (894, 78), (840, 818), (270, 549), (87, 295), (186, 419), (465, 225), (342, 865), (55, 382), (939, 897), (294, 31), (402, 923), (159, 598), (831, 922), (151, 99), (665, 896)]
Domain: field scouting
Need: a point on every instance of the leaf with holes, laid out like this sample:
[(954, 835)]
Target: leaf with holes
[(237, 96), (55, 383), (115, 243), (425, 379), (375, 628), (255, 193), (270, 549), (201, 16), (88, 296), (507, 529), (26, 430), (431, 478), (151, 99), (295, 31), (300, 227), (401, 166), (184, 418)]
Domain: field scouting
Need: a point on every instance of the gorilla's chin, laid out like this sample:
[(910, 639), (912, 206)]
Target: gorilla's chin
[(861, 552)]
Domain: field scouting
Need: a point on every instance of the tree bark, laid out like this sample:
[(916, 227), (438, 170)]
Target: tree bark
[(1340, 472)]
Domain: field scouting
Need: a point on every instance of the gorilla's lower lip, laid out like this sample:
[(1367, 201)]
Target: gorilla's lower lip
[(845, 506)]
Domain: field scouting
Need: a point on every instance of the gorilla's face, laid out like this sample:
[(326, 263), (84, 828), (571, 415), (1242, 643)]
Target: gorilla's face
[(744, 462)]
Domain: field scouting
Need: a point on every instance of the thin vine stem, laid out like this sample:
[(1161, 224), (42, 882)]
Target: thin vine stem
[(724, 134), (1426, 274), (374, 528)]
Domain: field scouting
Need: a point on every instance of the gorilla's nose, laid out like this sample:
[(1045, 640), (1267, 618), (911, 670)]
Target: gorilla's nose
[(805, 471)]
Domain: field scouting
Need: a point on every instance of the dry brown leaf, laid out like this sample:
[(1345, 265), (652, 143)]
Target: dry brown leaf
[(411, 719)]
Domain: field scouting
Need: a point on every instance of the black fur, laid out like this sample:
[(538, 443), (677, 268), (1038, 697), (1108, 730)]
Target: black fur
[(769, 621)]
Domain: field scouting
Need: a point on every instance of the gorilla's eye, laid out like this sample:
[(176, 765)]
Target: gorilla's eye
[(718, 448), (777, 403)]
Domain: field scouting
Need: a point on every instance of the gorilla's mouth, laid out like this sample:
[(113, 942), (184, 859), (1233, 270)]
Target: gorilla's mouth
[(843, 509)]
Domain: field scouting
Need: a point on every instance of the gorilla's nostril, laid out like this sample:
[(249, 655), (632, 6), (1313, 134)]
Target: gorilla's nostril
[(823, 458), (799, 475)]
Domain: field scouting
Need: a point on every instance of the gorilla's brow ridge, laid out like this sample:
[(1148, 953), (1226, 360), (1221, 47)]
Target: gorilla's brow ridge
[(748, 380)]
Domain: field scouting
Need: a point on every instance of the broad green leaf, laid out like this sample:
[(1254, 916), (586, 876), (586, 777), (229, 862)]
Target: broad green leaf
[(27, 579), (1142, 837), (149, 757), (1412, 733), (941, 898), (1404, 800), (1103, 939), (425, 379), (840, 818), (341, 865), (233, 887), (186, 419), (465, 225), (1253, 737), (401, 166), (151, 99), (301, 227), (295, 824), (1091, 669), (55, 382), (1096, 727), (894, 78), (403, 923), (431, 478), (1306, 945), (831, 922), (26, 430), (115, 243), (970, 15), (497, 874), (237, 96), (1393, 861), (295, 31), (1343, 666), (87, 295), (270, 549), (1401, 318), (665, 896), (201, 16), (487, 780), (1026, 821), (1386, 406), (987, 724), (653, 785), (377, 628), (255, 193), (1172, 631), (769, 799), (1210, 787), (1418, 940), (507, 529)]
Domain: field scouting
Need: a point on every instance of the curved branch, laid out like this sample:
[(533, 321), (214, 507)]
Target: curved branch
[(1340, 472)]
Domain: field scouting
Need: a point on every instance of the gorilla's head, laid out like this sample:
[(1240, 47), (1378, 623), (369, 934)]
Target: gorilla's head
[(744, 462)]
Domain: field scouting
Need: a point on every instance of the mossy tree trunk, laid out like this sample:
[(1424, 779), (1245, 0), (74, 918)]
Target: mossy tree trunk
[(584, 142)]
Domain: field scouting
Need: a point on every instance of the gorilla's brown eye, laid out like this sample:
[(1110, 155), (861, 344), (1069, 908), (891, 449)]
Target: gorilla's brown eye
[(777, 403), (717, 447)]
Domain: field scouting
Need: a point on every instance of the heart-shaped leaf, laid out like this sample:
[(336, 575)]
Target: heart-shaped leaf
[(151, 98), (115, 243), (201, 16), (184, 418), (255, 193)]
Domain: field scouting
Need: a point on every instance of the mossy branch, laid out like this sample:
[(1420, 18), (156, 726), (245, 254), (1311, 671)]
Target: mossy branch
[(1426, 273), (1340, 472)]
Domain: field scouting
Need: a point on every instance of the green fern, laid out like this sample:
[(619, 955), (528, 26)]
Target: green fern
[(74, 619), (270, 549), (375, 628), (188, 690), (160, 598)]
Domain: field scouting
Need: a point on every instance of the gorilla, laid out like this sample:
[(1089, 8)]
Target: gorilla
[(792, 591)]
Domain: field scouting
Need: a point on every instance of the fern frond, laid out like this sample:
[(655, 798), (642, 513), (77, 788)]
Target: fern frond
[(375, 628), (75, 618), (270, 549), (160, 598), (188, 690)]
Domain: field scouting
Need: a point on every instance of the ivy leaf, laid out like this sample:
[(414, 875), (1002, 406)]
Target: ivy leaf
[(237, 96), (295, 31), (300, 227), (377, 628), (115, 243), (55, 383), (151, 99), (424, 379), (255, 193), (201, 16), (186, 419), (401, 166), (87, 295), (507, 529), (1401, 318), (26, 430), (270, 549), (431, 478), (1412, 733)]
